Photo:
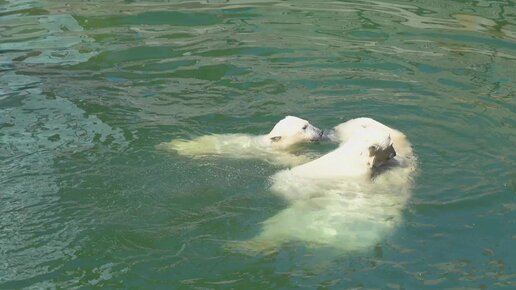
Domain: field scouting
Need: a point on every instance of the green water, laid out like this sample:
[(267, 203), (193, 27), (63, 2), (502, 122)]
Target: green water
[(88, 88)]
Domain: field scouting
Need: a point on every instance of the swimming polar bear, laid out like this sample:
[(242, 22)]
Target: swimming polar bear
[(342, 132), (354, 161), (348, 200), (272, 147)]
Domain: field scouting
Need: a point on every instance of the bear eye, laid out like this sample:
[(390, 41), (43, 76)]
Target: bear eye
[(305, 126)]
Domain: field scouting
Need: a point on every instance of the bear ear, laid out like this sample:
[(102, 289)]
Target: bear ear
[(372, 155), (275, 138), (373, 149)]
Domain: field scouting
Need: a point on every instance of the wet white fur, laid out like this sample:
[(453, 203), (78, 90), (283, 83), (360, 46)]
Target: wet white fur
[(342, 133), (354, 158), (272, 147), (338, 200)]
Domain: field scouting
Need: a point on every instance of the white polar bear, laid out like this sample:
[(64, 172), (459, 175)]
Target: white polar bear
[(356, 157), (342, 133), (348, 200), (272, 147), (352, 162)]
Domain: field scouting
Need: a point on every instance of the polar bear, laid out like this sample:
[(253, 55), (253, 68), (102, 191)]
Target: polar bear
[(347, 200), (342, 132), (354, 161), (356, 157), (272, 147)]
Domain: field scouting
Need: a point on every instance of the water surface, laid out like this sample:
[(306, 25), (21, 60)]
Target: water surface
[(88, 89)]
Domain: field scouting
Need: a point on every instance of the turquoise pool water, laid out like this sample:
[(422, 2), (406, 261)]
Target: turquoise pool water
[(89, 88)]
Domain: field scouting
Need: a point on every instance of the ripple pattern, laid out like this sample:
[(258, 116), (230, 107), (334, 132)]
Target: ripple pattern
[(87, 89)]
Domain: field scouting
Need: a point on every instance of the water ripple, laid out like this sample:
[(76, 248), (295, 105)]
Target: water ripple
[(87, 91)]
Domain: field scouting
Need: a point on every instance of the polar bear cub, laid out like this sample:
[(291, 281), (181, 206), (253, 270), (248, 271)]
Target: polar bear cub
[(291, 131), (272, 147), (343, 132)]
